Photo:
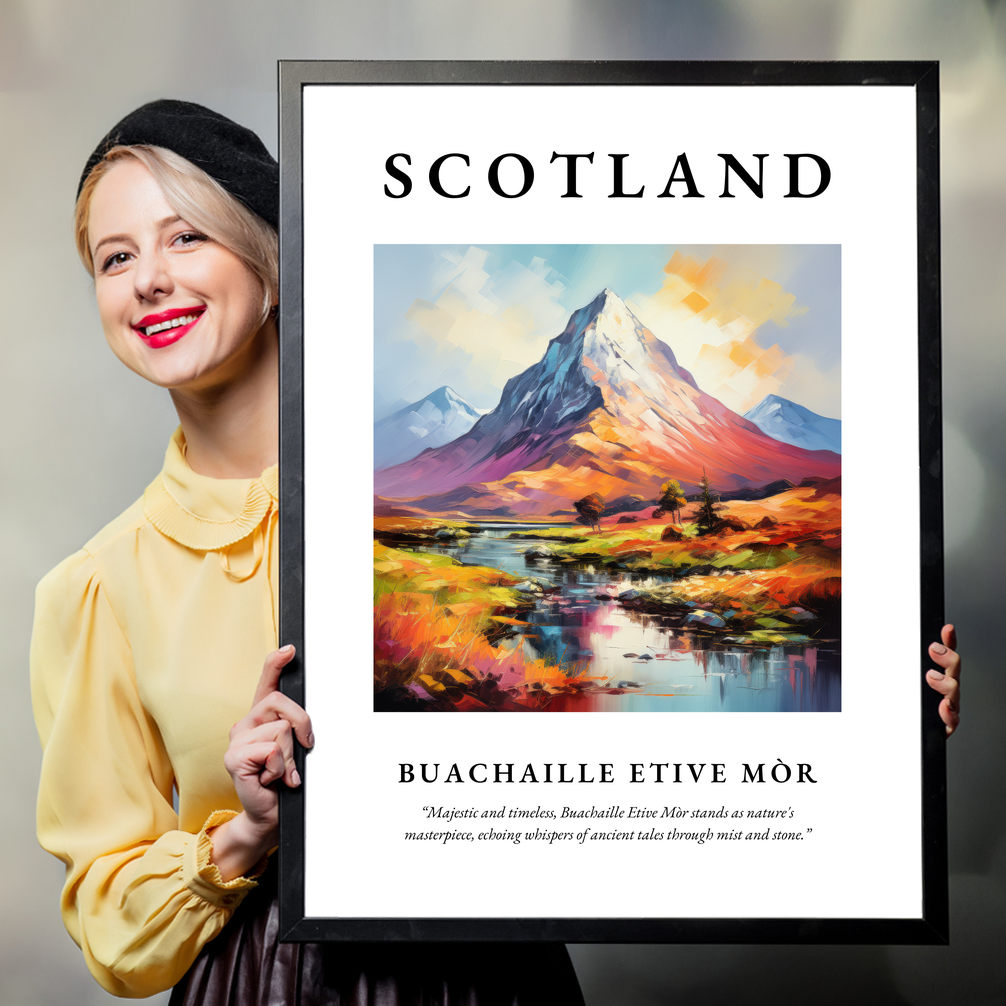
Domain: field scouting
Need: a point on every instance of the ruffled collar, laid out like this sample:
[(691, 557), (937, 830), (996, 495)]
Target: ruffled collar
[(203, 513)]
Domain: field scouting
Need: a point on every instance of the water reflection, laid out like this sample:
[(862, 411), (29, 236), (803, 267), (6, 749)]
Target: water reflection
[(643, 662)]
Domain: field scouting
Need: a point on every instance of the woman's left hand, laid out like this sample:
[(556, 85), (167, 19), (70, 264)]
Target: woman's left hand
[(947, 682)]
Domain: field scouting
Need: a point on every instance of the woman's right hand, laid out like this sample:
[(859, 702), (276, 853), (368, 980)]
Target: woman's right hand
[(259, 754)]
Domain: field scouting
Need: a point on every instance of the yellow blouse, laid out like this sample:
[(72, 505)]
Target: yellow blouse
[(147, 647)]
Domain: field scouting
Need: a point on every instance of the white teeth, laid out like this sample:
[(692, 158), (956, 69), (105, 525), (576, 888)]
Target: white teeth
[(173, 323)]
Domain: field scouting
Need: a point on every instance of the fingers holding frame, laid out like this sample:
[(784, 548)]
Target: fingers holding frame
[(270, 703), (265, 750), (277, 706), (272, 668), (947, 680), (261, 749), (263, 760)]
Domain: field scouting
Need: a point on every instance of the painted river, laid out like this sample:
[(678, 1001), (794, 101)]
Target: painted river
[(665, 668)]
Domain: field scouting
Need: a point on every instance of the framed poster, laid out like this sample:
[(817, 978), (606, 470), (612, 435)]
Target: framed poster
[(633, 369)]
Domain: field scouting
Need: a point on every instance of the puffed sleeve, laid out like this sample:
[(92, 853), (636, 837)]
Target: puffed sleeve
[(141, 897)]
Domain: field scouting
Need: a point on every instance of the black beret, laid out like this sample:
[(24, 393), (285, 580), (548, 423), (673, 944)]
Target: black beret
[(231, 154)]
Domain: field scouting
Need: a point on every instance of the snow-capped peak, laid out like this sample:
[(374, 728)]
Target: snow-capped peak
[(448, 400), (440, 417), (795, 424), (617, 343)]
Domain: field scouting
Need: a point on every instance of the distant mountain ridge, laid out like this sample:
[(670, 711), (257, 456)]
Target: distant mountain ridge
[(440, 417), (794, 424), (608, 410)]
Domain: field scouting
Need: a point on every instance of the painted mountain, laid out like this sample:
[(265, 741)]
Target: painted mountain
[(793, 424), (607, 410), (439, 418)]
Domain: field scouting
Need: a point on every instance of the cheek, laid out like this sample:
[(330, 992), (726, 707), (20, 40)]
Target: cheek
[(224, 279), (246, 300), (113, 312)]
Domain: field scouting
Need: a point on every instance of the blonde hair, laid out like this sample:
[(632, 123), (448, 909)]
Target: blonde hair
[(199, 200)]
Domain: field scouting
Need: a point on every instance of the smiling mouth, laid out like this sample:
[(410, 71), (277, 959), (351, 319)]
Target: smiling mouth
[(165, 324), (185, 319)]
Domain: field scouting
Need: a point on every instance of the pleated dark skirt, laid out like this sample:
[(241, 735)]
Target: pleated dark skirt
[(246, 965)]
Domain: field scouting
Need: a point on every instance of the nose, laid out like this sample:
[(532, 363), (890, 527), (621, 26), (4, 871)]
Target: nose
[(152, 276)]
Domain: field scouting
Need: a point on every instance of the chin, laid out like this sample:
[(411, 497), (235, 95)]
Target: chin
[(170, 375), (190, 364), (192, 379)]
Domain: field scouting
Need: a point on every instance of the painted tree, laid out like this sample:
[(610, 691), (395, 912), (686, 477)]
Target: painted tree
[(672, 499), (590, 509), (707, 516)]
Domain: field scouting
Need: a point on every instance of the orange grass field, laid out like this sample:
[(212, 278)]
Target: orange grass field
[(434, 622), (440, 627)]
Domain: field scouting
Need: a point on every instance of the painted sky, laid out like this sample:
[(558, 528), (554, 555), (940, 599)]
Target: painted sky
[(746, 320)]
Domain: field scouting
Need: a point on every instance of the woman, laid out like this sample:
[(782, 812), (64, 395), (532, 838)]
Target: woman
[(149, 642)]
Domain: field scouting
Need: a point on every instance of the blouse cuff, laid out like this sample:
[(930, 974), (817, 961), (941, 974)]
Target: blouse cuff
[(202, 876)]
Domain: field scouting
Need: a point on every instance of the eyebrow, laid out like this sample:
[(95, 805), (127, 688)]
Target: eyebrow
[(111, 238)]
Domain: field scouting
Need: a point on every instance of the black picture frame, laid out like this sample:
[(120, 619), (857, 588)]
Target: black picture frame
[(931, 927)]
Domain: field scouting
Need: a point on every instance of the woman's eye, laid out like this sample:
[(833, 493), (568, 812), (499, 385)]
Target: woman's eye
[(114, 261), (190, 238)]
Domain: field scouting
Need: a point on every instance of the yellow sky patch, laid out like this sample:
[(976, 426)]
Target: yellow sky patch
[(709, 313)]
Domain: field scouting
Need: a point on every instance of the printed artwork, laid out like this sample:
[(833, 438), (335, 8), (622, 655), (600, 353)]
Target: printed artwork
[(607, 478)]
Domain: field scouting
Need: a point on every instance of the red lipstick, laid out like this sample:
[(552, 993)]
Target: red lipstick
[(166, 327)]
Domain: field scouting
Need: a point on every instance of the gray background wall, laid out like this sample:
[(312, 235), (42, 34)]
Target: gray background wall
[(82, 436)]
